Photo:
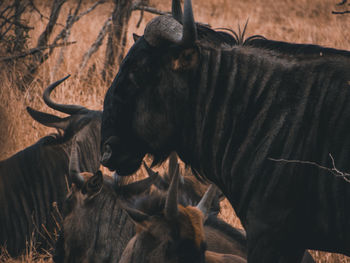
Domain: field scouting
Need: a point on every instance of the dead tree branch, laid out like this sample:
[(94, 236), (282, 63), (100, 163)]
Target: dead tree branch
[(117, 36), (71, 19), (55, 10), (16, 23), (341, 12), (334, 170), (343, 2), (149, 9), (65, 33), (98, 42), (34, 50), (34, 8)]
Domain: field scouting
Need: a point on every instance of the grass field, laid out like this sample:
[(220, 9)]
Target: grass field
[(300, 21)]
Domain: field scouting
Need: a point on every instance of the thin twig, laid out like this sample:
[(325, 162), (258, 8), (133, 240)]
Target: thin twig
[(72, 19), (341, 12), (150, 10), (343, 2), (98, 42), (141, 18), (334, 170), (90, 9), (40, 14), (35, 50), (16, 23)]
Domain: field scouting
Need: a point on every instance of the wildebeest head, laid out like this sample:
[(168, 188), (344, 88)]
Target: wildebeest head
[(157, 69), (95, 227), (82, 125), (167, 231)]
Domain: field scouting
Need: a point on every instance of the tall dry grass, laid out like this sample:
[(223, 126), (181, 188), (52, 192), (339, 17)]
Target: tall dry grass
[(301, 21)]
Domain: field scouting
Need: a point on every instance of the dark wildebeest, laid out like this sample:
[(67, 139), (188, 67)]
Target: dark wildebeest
[(170, 232), (34, 178), (95, 227), (226, 112)]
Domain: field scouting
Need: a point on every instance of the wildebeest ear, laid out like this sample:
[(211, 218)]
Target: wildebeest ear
[(135, 37), (48, 119), (185, 59), (93, 185), (139, 218)]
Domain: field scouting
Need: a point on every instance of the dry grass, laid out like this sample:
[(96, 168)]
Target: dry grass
[(301, 21)]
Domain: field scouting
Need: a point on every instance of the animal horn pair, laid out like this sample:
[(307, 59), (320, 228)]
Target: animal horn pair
[(65, 108), (162, 28), (137, 187)]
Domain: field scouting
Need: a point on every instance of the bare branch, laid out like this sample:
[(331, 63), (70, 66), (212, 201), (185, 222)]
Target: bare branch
[(55, 10), (40, 14), (9, 7), (74, 18), (141, 18), (90, 9), (341, 12), (334, 170), (98, 42), (34, 50), (150, 10), (16, 23), (343, 2)]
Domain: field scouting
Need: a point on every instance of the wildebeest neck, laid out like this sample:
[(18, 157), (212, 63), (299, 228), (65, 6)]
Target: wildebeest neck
[(250, 105)]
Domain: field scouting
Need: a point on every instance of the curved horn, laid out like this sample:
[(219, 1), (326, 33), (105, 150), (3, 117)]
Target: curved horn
[(137, 187), (205, 203), (171, 210), (74, 171), (68, 109), (48, 120), (177, 11)]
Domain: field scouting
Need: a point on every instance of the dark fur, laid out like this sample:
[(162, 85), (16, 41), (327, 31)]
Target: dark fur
[(160, 240), (34, 178), (226, 113), (99, 229), (95, 229)]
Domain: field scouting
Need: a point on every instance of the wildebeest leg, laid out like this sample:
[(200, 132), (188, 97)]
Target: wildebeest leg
[(265, 250)]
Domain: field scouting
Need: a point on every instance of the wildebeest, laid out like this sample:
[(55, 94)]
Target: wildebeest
[(95, 227), (169, 232), (228, 112), (34, 178)]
